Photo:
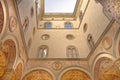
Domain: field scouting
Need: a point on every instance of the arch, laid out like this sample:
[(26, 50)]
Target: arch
[(75, 73), (102, 62), (46, 74), (116, 46), (13, 38), (100, 55), (4, 14), (10, 48)]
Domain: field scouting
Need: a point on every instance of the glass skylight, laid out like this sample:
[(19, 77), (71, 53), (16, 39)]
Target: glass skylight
[(59, 6)]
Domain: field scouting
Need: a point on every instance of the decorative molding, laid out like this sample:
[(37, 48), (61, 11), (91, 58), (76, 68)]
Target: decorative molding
[(12, 23), (4, 5)]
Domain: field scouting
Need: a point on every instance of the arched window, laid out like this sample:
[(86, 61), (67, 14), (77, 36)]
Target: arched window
[(48, 25), (72, 52), (68, 25), (43, 52)]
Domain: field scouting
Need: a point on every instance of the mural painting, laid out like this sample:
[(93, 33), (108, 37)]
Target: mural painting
[(18, 71), (101, 68), (13, 23), (7, 58), (38, 75), (75, 74), (9, 48), (107, 43)]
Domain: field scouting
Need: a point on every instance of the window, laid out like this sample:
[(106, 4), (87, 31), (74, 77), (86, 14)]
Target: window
[(90, 41), (43, 52), (68, 25), (25, 24), (47, 25), (72, 52)]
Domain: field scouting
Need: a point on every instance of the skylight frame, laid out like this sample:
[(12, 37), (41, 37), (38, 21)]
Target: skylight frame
[(58, 15)]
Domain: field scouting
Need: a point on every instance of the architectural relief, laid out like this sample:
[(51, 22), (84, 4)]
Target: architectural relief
[(45, 37), (57, 65), (13, 23), (70, 37)]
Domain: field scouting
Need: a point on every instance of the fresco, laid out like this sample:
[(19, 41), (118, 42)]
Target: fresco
[(75, 74), (1, 17), (9, 48), (38, 75), (101, 68), (7, 58), (18, 71), (3, 61), (2, 71), (112, 73), (112, 7), (13, 23), (107, 43), (9, 75)]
